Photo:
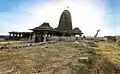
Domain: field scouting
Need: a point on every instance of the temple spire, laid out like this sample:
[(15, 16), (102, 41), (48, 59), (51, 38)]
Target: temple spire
[(65, 22)]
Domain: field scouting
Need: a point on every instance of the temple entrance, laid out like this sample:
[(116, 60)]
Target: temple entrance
[(39, 38)]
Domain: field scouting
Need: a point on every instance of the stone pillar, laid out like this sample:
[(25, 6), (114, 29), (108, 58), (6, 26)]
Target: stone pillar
[(63, 34), (52, 35), (39, 37), (29, 40), (72, 35), (33, 38), (10, 34), (13, 36), (45, 36), (16, 36)]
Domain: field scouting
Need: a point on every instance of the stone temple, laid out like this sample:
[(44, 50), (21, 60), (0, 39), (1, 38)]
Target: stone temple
[(65, 22), (42, 32)]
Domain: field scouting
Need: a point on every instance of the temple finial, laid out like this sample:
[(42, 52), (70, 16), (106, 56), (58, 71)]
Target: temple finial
[(67, 7)]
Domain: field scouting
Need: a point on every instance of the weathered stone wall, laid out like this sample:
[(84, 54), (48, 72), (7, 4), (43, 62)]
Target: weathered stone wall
[(110, 38), (56, 38), (71, 39), (24, 39), (52, 38)]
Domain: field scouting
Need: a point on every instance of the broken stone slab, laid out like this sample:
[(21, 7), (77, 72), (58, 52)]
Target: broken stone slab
[(92, 44), (83, 59), (84, 44), (77, 42), (86, 59)]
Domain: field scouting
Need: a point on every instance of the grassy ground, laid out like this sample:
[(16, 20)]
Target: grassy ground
[(49, 59), (110, 52), (60, 58), (9, 42)]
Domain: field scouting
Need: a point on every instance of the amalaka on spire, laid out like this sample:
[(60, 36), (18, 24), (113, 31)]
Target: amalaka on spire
[(67, 6)]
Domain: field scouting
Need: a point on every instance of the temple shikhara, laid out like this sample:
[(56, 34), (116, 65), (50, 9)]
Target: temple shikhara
[(45, 32)]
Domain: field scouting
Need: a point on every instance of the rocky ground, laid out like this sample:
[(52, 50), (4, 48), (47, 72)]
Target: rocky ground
[(84, 57)]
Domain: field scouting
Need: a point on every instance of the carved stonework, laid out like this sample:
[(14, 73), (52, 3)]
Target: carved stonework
[(65, 22), (64, 29)]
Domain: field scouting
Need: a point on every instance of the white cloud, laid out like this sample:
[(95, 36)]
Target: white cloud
[(86, 14)]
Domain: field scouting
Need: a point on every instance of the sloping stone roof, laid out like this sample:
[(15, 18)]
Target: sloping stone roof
[(44, 26), (77, 30)]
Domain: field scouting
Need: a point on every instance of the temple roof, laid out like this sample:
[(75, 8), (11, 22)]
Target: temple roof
[(77, 30), (15, 32), (44, 26)]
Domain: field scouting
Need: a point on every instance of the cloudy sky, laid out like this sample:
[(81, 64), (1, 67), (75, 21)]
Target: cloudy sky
[(88, 15)]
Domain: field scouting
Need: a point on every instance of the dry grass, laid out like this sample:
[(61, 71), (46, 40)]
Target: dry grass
[(9, 42), (110, 52), (59, 58), (48, 59)]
